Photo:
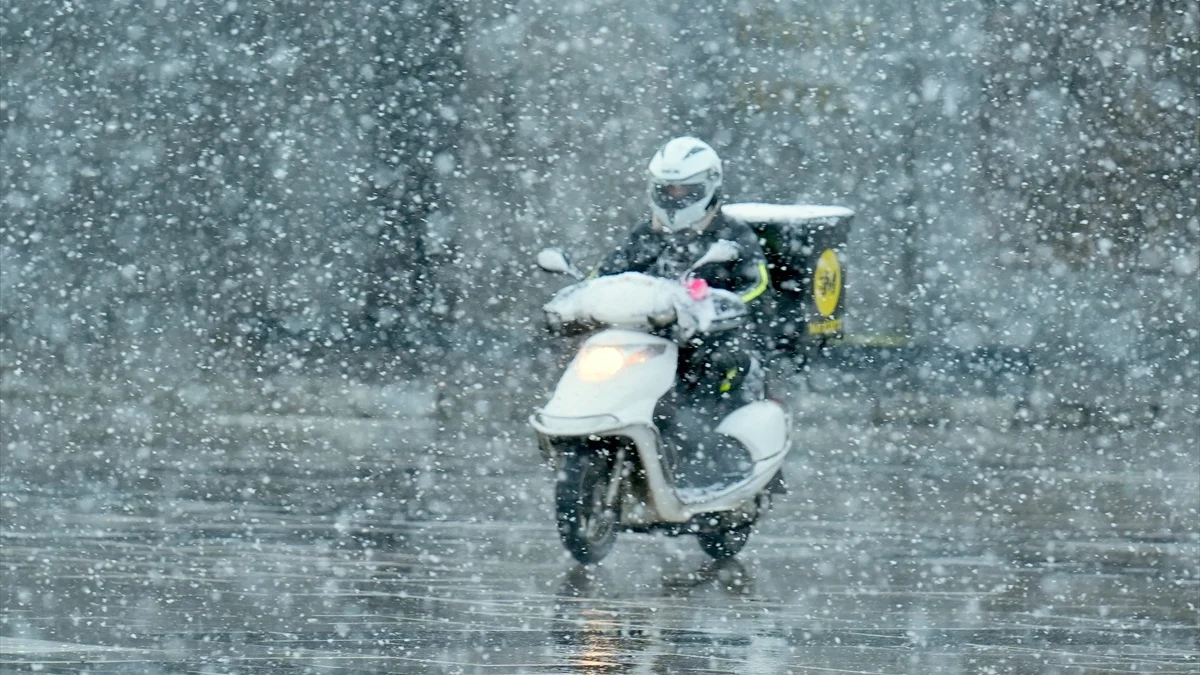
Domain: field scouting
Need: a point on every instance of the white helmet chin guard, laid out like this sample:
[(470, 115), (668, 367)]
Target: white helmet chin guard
[(685, 183)]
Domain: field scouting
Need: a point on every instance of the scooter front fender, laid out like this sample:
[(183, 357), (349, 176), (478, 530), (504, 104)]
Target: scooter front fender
[(629, 395)]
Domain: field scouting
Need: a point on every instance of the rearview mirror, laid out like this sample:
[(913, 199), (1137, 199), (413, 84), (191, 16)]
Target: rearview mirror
[(555, 260)]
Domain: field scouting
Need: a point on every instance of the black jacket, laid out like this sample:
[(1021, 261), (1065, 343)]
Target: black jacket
[(668, 255)]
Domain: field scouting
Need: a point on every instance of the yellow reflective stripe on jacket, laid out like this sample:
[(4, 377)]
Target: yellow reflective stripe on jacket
[(763, 280), (727, 384)]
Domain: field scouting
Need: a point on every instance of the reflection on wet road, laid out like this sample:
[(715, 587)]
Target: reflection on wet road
[(899, 549)]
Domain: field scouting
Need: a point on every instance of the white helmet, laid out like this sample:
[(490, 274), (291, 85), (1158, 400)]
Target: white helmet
[(685, 183)]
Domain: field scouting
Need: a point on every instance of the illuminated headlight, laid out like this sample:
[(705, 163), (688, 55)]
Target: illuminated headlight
[(602, 362)]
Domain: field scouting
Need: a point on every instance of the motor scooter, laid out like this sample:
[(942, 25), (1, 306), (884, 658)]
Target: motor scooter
[(602, 428)]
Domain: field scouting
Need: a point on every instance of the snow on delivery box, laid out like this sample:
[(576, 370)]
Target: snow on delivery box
[(805, 245)]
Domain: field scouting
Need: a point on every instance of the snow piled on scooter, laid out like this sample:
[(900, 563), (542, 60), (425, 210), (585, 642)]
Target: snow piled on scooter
[(642, 302), (629, 300)]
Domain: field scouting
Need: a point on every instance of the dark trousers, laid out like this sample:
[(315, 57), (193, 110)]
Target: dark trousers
[(712, 384)]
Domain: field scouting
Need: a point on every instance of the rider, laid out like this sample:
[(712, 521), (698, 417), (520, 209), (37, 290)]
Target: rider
[(685, 202)]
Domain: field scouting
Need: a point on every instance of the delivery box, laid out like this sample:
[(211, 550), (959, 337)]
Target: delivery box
[(805, 246)]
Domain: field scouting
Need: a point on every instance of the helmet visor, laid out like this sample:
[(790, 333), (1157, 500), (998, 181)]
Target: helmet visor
[(676, 196)]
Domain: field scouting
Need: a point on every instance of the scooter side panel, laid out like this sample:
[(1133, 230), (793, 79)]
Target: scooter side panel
[(664, 503), (668, 505), (762, 426)]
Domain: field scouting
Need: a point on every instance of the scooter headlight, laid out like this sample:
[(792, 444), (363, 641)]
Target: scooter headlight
[(602, 362)]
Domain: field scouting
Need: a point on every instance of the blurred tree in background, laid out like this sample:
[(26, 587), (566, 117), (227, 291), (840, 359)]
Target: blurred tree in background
[(412, 287), (1090, 113)]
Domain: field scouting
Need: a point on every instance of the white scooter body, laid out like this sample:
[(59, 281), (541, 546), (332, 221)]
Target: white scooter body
[(623, 404)]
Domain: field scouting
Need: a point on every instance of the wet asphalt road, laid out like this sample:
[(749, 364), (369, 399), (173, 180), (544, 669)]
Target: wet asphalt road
[(132, 544)]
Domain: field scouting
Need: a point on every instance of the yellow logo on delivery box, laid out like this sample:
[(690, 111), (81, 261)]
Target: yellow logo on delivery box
[(827, 283)]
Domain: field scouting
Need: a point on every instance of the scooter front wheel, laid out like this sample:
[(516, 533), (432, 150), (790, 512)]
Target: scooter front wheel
[(587, 524)]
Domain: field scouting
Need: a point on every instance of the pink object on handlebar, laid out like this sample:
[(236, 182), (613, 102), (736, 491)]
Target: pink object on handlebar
[(697, 289)]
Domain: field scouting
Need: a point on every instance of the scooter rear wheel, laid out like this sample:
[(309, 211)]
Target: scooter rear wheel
[(586, 525), (725, 543)]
